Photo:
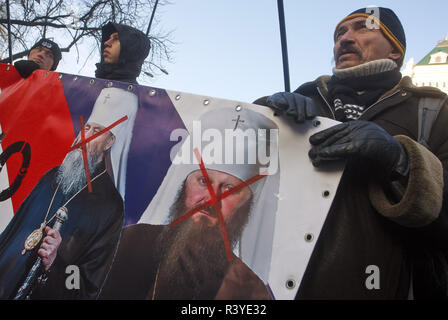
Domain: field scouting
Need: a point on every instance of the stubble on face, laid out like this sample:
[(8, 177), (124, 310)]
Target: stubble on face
[(356, 43)]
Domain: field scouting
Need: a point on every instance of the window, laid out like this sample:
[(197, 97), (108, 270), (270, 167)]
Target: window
[(439, 57)]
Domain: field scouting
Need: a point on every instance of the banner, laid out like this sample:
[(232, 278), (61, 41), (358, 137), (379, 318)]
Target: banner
[(169, 195)]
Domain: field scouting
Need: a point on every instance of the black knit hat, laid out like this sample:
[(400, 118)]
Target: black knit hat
[(389, 24), (53, 46)]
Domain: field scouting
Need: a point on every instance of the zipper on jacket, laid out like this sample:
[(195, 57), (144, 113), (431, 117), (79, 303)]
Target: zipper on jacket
[(381, 100), (328, 105), (422, 133)]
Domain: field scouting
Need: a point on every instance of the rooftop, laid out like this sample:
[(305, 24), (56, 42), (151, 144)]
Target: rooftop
[(442, 46)]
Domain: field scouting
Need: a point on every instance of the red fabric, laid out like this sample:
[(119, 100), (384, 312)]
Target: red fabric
[(34, 110)]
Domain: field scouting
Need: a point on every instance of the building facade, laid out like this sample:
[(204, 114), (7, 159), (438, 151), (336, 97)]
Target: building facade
[(432, 70)]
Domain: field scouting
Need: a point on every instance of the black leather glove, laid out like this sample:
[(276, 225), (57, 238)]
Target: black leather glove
[(295, 105), (26, 67), (360, 139)]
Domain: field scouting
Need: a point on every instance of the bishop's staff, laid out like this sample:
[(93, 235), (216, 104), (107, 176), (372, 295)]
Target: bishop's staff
[(24, 291)]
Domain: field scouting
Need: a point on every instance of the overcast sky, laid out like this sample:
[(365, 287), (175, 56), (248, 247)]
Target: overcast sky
[(231, 49)]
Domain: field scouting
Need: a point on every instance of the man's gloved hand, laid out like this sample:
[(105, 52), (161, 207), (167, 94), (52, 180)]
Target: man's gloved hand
[(360, 139), (26, 67), (295, 105)]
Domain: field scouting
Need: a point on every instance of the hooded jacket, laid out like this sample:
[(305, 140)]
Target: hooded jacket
[(365, 228), (134, 48)]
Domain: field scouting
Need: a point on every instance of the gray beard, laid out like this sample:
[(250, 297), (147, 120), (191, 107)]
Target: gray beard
[(71, 174)]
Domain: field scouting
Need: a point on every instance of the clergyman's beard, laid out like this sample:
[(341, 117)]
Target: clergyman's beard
[(71, 174), (194, 260)]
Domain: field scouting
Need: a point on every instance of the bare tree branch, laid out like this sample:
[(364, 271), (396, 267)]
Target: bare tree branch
[(70, 21)]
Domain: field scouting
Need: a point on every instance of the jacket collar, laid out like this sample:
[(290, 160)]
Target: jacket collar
[(401, 92), (405, 83)]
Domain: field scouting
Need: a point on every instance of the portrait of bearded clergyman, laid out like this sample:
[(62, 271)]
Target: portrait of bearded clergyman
[(188, 259), (89, 236)]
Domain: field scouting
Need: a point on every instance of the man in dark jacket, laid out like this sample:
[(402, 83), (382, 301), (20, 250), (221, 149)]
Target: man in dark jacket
[(123, 51), (44, 54), (386, 230)]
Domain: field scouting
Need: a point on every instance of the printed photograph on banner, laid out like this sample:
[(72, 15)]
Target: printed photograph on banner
[(84, 142), (155, 194), (208, 232), (84, 187)]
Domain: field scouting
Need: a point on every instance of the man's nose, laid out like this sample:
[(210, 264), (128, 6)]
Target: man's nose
[(216, 190), (41, 54), (347, 37), (107, 43)]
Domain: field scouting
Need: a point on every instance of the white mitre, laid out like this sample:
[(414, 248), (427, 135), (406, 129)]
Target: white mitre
[(112, 105)]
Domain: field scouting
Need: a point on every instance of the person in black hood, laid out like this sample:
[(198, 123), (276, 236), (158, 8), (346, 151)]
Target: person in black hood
[(123, 51)]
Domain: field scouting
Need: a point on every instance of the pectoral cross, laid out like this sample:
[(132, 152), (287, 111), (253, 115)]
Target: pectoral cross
[(105, 98), (237, 122)]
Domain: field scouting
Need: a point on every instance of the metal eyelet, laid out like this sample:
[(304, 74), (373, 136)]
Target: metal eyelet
[(309, 237), (290, 284)]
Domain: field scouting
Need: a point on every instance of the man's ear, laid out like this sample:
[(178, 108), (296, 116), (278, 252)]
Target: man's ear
[(395, 55), (109, 143)]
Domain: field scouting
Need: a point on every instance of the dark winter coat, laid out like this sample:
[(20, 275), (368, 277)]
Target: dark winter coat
[(364, 228)]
